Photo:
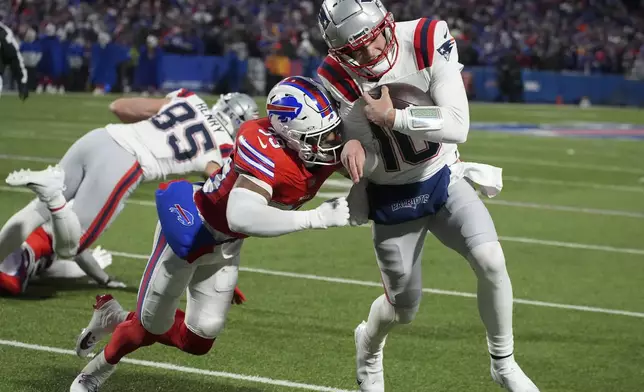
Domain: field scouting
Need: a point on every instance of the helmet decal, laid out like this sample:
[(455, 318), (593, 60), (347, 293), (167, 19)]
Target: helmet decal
[(286, 108)]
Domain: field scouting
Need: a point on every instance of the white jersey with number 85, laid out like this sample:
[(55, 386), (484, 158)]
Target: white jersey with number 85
[(180, 139)]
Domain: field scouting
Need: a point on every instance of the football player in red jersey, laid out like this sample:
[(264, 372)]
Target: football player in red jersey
[(279, 162)]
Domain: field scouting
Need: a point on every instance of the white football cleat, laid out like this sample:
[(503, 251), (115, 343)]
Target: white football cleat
[(507, 373), (108, 314), (93, 375), (369, 368), (47, 183)]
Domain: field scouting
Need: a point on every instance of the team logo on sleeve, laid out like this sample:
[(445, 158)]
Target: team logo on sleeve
[(445, 49), (184, 217), (285, 108)]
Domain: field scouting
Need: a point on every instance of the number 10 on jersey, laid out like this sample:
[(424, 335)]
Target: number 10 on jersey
[(396, 146)]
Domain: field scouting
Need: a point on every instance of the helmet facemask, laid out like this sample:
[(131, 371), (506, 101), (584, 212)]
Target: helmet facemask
[(304, 115), (317, 147), (227, 113), (378, 66)]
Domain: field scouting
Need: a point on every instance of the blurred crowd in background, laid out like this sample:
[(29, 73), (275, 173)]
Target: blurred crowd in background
[(66, 43)]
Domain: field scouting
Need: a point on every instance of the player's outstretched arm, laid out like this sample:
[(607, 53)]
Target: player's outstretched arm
[(131, 110), (248, 212)]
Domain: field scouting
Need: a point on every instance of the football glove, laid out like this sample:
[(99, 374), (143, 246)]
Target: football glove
[(238, 297), (331, 213)]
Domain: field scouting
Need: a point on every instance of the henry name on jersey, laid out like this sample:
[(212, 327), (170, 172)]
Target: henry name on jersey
[(426, 57)]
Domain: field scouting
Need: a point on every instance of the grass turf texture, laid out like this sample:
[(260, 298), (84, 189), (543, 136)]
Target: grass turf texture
[(301, 330)]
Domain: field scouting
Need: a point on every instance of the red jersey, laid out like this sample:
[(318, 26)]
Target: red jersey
[(260, 153)]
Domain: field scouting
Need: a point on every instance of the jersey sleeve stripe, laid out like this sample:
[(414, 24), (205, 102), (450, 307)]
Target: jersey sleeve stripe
[(424, 43), (253, 151), (255, 164), (226, 150), (185, 93), (333, 72)]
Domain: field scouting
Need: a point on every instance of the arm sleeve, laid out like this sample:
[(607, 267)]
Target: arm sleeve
[(446, 89), (224, 143), (90, 266), (11, 52), (248, 213)]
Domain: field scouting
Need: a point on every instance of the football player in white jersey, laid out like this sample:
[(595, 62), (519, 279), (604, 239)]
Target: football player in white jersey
[(175, 135), (419, 184)]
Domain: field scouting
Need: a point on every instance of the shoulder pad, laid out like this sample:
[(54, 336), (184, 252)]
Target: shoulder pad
[(338, 77), (254, 158), (424, 42)]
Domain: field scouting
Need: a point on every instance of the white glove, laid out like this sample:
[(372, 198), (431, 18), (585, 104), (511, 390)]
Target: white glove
[(110, 283), (358, 204), (103, 257), (331, 213), (115, 284)]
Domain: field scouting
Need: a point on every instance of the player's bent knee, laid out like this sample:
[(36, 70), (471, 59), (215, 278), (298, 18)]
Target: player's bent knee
[(156, 325), (65, 251), (407, 299), (210, 328), (488, 259), (406, 315), (197, 345)]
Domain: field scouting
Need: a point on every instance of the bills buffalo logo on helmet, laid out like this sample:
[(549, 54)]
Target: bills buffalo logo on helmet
[(184, 217), (285, 108)]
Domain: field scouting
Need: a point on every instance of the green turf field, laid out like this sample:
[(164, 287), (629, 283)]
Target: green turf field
[(571, 217)]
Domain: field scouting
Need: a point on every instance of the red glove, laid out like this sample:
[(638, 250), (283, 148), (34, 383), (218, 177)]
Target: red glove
[(238, 297)]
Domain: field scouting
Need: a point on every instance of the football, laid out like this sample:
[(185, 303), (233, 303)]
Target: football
[(404, 95)]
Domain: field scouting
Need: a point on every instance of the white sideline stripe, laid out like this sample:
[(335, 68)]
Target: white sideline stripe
[(5, 188), (425, 290), (572, 245), (22, 136), (28, 158), (347, 183), (591, 211), (545, 181), (183, 369), (551, 207), (592, 185), (525, 240), (539, 162)]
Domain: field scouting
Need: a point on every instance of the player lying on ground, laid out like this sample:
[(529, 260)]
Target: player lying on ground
[(175, 135), (419, 185), (17, 269), (279, 162)]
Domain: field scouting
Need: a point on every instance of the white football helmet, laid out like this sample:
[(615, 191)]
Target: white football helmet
[(232, 109), (303, 114), (349, 25)]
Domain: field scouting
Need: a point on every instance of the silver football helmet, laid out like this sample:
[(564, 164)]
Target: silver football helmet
[(349, 25), (232, 109)]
